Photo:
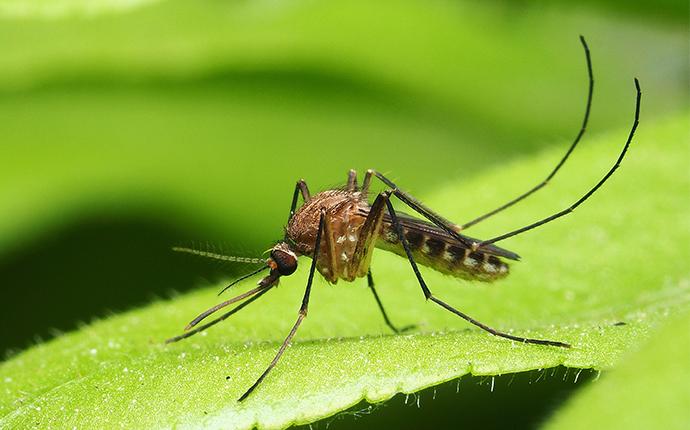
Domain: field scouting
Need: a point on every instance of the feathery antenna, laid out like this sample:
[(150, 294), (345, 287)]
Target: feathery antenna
[(216, 256)]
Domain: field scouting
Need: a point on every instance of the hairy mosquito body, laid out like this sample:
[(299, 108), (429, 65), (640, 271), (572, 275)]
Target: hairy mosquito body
[(339, 229), (346, 214), (346, 246)]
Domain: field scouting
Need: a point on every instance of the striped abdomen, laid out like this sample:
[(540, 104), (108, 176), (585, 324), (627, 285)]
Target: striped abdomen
[(434, 248)]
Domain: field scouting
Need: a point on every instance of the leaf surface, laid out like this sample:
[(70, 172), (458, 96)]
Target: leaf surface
[(613, 261)]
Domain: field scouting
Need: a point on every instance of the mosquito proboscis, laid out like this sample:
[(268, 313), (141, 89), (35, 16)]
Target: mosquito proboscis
[(339, 230)]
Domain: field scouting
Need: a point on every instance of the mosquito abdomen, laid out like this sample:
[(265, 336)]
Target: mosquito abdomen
[(444, 254)]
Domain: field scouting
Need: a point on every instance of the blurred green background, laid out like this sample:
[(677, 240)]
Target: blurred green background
[(131, 127)]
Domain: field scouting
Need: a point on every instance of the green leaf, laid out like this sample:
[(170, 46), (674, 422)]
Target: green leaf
[(161, 111), (649, 390), (135, 107), (616, 259)]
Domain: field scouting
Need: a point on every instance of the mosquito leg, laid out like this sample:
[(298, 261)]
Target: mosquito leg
[(560, 163), (430, 296), (364, 248), (590, 192), (370, 283), (302, 310), (361, 257), (300, 188), (217, 320), (435, 218), (330, 254), (452, 229), (352, 180), (367, 181)]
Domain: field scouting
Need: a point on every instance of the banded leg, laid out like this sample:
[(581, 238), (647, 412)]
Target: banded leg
[(370, 283), (579, 135), (300, 188), (302, 310), (430, 296)]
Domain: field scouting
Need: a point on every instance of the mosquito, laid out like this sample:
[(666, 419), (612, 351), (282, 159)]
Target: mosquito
[(339, 230)]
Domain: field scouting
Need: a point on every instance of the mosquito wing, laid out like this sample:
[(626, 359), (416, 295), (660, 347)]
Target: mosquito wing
[(426, 229)]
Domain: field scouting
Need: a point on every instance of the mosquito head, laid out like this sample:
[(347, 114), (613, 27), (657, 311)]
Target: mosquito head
[(282, 260)]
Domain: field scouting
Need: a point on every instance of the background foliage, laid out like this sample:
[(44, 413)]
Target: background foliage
[(128, 130)]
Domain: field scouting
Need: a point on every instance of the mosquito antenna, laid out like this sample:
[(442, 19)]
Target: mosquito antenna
[(590, 192), (545, 182), (242, 278), (216, 256), (235, 299)]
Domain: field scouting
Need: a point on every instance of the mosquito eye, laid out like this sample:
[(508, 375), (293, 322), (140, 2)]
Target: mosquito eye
[(286, 262)]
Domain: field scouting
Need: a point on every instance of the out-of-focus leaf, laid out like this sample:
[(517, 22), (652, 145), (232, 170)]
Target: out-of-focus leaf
[(55, 9), (195, 110)]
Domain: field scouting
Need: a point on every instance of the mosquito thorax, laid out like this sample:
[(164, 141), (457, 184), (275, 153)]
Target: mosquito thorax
[(283, 260)]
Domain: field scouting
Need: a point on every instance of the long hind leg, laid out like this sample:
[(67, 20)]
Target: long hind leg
[(571, 148), (419, 207), (589, 193), (453, 229)]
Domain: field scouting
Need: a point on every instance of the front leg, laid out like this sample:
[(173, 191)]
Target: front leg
[(301, 314)]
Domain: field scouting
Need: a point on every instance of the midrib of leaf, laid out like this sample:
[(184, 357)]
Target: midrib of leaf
[(117, 372)]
